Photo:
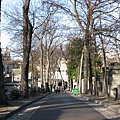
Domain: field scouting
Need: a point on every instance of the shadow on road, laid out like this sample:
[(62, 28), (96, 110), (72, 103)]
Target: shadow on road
[(63, 107)]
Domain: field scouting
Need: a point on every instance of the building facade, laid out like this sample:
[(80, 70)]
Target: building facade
[(61, 76), (9, 66)]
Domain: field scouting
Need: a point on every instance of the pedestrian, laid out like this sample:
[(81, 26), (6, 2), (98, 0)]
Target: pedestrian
[(56, 89), (33, 94), (62, 89)]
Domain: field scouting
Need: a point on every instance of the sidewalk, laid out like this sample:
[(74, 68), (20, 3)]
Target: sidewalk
[(113, 105), (17, 105)]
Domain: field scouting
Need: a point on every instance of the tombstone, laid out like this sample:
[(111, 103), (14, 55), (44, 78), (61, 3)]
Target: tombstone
[(114, 78), (118, 91)]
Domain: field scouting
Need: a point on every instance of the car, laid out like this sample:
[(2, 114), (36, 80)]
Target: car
[(12, 90), (12, 86)]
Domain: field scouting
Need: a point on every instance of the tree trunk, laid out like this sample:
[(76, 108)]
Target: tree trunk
[(80, 73), (117, 50), (90, 73), (87, 59), (94, 65), (86, 55), (85, 66), (32, 69), (2, 88), (47, 72), (41, 64), (27, 38), (104, 62)]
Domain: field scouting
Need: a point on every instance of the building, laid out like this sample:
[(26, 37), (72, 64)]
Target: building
[(9, 66), (61, 77), (6, 54), (16, 75)]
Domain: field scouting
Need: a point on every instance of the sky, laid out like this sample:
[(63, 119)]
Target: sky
[(5, 38)]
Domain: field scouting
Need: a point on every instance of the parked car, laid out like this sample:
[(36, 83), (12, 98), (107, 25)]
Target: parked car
[(12, 90)]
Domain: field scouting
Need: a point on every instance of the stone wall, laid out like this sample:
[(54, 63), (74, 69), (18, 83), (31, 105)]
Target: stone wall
[(114, 78)]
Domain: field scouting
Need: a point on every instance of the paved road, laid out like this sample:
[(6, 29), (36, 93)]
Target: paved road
[(64, 107)]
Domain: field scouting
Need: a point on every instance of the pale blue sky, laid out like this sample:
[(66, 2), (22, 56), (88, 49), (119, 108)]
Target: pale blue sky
[(5, 38)]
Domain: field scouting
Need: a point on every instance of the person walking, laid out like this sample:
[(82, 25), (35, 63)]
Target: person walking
[(56, 89)]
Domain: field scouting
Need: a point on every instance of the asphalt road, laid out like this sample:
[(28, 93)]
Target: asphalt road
[(64, 107)]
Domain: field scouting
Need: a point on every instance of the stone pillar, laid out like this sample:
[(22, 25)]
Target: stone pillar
[(118, 91)]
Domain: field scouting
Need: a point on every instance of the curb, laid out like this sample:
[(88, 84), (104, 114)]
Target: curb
[(114, 109), (88, 99), (21, 107), (102, 103)]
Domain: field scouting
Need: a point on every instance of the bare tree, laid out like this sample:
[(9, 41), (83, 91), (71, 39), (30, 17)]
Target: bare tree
[(27, 38), (34, 61), (84, 21), (52, 42), (40, 39), (80, 73), (85, 12), (2, 87), (85, 17)]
